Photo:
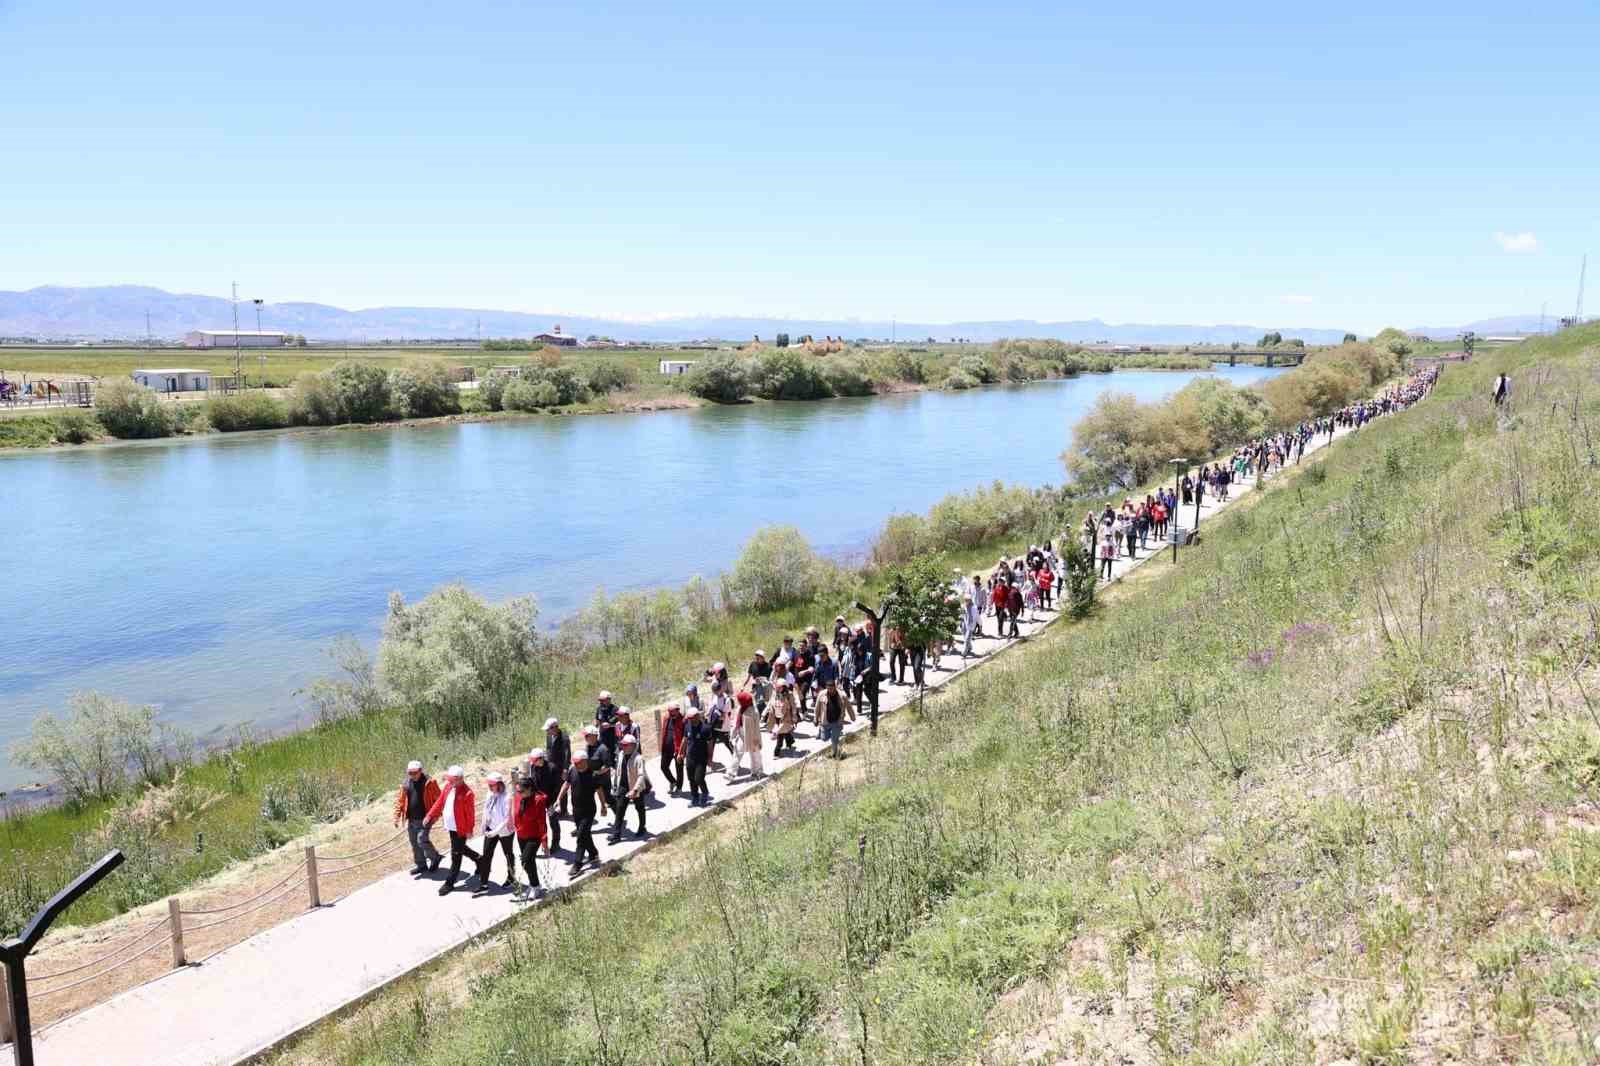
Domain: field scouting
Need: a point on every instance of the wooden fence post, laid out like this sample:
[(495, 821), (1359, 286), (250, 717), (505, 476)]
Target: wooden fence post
[(311, 875), (178, 960)]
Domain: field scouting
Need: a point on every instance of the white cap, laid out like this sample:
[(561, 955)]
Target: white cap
[(719, 666), (413, 765), (605, 695), (625, 709), (537, 753), (629, 739), (455, 771), (551, 723), (591, 731), (495, 776)]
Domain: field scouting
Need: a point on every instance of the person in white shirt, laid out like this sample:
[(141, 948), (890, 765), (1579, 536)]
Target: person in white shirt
[(497, 832)]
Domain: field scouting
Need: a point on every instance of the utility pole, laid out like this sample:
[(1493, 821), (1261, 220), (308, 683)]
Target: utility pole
[(238, 370), (148, 344), (261, 360), (1577, 313), (1541, 316)]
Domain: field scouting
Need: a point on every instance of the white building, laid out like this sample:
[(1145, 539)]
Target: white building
[(224, 338), (173, 379), (674, 367)]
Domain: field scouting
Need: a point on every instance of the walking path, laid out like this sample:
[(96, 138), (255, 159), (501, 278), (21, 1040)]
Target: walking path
[(250, 997)]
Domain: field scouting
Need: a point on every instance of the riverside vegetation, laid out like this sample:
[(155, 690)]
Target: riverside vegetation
[(1325, 791), (256, 794), (383, 388)]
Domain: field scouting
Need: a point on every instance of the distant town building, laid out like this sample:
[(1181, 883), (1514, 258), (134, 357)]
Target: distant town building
[(674, 367), (173, 379), (224, 338), (556, 338)]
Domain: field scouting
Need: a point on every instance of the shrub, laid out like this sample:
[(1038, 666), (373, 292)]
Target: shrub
[(424, 390), (492, 390), (847, 377), (960, 379), (720, 379), (130, 411), (978, 368), (1079, 576), (607, 377), (525, 394), (76, 427), (569, 387), (454, 660), (787, 374), (312, 400), (901, 365), (904, 536), (777, 568), (925, 606), (246, 410), (361, 392), (92, 750)]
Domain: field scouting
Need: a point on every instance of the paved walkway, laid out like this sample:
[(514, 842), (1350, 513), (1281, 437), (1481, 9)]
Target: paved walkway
[(252, 996)]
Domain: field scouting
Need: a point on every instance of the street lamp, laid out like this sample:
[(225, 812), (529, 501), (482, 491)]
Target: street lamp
[(262, 358), (1177, 467)]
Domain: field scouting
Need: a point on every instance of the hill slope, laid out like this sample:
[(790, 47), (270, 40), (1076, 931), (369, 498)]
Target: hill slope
[(1324, 792)]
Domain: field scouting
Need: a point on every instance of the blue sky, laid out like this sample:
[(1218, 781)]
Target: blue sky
[(1349, 167)]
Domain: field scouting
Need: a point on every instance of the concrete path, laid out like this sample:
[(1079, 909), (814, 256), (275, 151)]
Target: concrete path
[(252, 996)]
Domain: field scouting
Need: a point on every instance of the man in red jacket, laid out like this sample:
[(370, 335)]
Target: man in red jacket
[(458, 807), (528, 809)]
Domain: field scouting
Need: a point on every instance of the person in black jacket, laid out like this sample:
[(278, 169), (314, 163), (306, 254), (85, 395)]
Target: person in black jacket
[(581, 786), (697, 741), (547, 782), (558, 750)]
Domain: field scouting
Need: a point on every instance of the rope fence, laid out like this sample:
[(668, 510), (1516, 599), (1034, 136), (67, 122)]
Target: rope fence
[(283, 891), (108, 955), (241, 903), (380, 846), (95, 976)]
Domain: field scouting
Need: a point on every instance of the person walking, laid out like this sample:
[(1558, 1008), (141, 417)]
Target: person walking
[(1108, 553), (580, 788), (671, 745), (866, 681), (411, 804), (1013, 606), (529, 809), (497, 832), (457, 806), (630, 787), (1502, 389), (695, 751), (1047, 582), (605, 720), (749, 726), (830, 713), (1000, 596), (547, 783), (558, 750), (969, 624), (788, 718)]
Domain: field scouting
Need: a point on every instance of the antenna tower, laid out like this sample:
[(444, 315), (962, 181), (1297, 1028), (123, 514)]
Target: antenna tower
[(1577, 313)]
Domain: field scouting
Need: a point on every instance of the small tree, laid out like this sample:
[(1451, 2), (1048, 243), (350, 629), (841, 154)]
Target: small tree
[(777, 568), (454, 659), (1079, 577), (924, 606), (101, 739)]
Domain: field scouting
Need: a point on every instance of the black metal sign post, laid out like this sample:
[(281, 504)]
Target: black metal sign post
[(14, 953), (878, 618)]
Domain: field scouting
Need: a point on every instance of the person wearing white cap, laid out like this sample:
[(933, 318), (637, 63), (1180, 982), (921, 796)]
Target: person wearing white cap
[(497, 832), (632, 786), (558, 750), (605, 720), (581, 786), (695, 749), (458, 807), (417, 794)]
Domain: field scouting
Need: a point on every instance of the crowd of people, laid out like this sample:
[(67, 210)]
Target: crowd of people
[(811, 683)]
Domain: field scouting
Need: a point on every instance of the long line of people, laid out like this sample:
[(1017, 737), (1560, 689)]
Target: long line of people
[(810, 683)]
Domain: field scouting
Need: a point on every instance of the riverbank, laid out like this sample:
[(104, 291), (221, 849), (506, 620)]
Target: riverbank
[(45, 428)]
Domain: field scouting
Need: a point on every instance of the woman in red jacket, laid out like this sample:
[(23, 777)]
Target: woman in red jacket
[(528, 816), (458, 807)]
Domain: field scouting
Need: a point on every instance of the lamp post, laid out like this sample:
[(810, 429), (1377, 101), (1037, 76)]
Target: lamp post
[(261, 360), (1177, 467), (14, 952)]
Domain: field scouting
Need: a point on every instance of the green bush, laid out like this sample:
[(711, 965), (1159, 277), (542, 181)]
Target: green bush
[(978, 368), (720, 379), (246, 410), (455, 661), (608, 376), (492, 391), (777, 568), (312, 400), (92, 749), (787, 374), (844, 376), (960, 379), (526, 394), (361, 392), (76, 427), (424, 390), (901, 365), (131, 411)]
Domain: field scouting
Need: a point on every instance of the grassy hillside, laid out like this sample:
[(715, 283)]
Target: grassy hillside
[(1324, 792)]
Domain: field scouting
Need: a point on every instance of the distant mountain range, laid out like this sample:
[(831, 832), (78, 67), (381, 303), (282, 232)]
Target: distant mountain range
[(118, 312)]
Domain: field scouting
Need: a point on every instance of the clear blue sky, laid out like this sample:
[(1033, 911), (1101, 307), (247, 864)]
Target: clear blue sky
[(1327, 166)]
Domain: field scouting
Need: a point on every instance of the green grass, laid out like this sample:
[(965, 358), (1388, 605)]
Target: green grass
[(1324, 790)]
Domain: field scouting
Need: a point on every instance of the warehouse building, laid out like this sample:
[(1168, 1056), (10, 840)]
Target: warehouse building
[(224, 338)]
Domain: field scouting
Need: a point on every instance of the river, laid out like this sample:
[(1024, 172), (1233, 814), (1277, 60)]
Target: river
[(208, 576)]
